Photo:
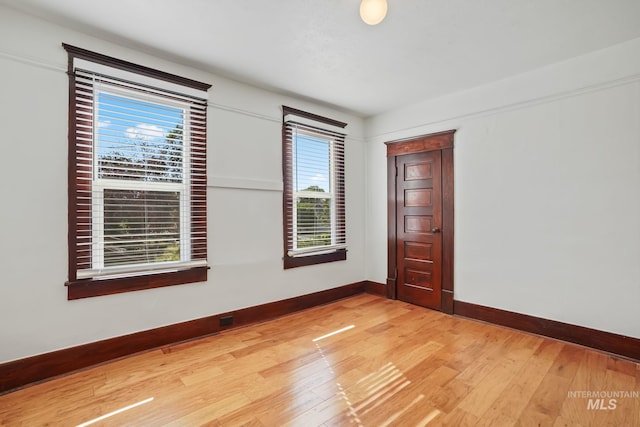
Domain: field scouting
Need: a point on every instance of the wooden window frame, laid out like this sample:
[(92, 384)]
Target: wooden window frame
[(288, 192), (84, 288)]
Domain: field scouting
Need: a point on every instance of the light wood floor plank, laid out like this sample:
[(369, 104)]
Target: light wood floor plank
[(362, 361)]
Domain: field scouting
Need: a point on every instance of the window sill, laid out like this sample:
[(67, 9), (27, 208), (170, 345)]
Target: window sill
[(292, 262), (98, 287)]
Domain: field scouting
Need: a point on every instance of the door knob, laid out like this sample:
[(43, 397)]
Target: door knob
[(435, 230)]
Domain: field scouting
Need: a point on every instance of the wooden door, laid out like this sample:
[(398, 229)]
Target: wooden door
[(418, 228), (420, 217)]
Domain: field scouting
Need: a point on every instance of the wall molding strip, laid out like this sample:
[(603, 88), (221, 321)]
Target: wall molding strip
[(375, 288), (507, 107), (617, 345), (244, 183)]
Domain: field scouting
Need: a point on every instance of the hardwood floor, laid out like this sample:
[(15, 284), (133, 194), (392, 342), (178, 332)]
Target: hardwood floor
[(387, 364)]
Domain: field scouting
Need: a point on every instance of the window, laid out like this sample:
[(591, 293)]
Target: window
[(314, 200), (137, 177)]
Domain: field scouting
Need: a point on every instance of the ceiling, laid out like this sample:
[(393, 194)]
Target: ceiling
[(322, 51)]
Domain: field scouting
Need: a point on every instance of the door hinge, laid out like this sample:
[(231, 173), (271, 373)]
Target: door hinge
[(396, 170)]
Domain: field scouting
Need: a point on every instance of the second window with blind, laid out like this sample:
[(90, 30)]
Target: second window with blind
[(314, 189)]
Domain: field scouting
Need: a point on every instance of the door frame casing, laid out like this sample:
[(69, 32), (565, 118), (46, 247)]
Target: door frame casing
[(443, 142)]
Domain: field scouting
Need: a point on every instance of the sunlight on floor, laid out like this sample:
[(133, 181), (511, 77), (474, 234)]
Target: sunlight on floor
[(380, 387), (373, 390), (116, 412), (426, 420), (330, 334)]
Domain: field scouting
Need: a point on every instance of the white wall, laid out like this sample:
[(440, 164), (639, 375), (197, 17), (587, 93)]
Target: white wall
[(245, 202), (547, 189)]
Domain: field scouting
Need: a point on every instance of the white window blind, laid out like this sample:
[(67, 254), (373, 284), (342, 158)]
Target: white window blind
[(140, 177), (314, 188)]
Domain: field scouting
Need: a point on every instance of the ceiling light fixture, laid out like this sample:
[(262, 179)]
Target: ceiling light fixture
[(373, 11)]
